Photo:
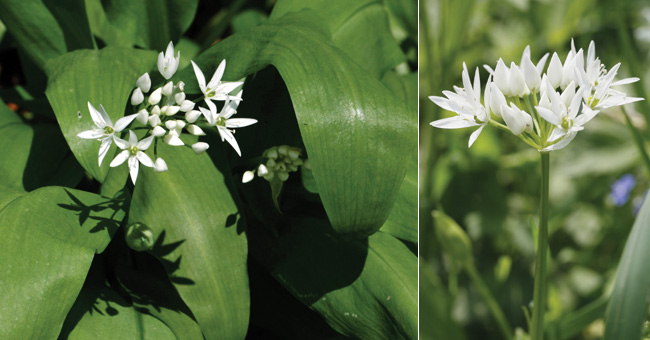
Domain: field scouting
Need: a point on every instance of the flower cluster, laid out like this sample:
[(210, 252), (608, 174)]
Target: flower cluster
[(280, 161), (159, 114), (546, 110)]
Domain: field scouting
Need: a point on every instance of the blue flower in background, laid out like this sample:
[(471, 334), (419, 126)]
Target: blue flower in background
[(621, 189)]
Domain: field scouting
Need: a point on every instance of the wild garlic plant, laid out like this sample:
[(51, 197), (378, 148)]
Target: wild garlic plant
[(544, 109), (159, 114)]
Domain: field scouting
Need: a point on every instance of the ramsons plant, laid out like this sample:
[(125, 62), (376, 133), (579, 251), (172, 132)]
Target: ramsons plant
[(546, 110), (124, 213)]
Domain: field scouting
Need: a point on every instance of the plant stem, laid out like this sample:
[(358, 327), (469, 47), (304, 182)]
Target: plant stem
[(539, 290), (638, 140), (492, 304)]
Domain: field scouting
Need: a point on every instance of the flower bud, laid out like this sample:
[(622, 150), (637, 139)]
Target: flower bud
[(283, 176), (160, 165), (282, 150), (531, 75), (186, 105), (155, 96), (144, 83), (200, 147), (262, 170), (555, 72), (517, 82), (137, 97), (167, 63), (496, 99), (270, 163), (502, 77), (453, 239), (153, 120), (293, 154), (170, 124), (192, 116), (170, 110), (155, 110), (142, 116), (269, 176), (517, 120), (139, 237), (307, 164), (172, 139), (168, 89), (158, 131), (179, 97), (181, 86), (195, 130), (272, 153), (247, 177), (180, 124)]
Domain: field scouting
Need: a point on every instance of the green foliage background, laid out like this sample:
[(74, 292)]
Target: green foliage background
[(335, 78), (491, 190)]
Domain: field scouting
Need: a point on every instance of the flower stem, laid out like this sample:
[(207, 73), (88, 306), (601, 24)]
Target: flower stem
[(638, 140), (539, 290), (491, 303)]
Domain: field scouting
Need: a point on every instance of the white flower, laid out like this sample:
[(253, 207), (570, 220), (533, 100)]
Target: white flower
[(564, 111), (175, 129), (179, 97), (192, 116), (143, 116), (262, 170), (170, 110), (195, 130), (144, 83), (516, 119), (133, 152), (466, 103), (167, 64), (200, 147), (160, 165), (158, 131), (137, 98), (168, 89), (224, 123), (215, 89), (532, 73), (105, 131), (186, 105)]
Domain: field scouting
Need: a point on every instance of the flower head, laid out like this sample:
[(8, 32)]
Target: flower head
[(133, 151), (215, 89), (105, 131), (225, 123), (167, 63)]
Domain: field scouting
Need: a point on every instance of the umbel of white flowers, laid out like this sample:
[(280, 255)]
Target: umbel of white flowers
[(546, 110), (158, 114), (280, 161)]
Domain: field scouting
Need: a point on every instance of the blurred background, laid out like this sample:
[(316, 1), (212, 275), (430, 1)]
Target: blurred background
[(492, 189)]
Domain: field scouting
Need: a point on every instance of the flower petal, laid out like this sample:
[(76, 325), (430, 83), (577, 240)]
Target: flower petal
[(240, 122), (457, 122), (227, 135), (549, 115), (474, 136), (200, 78), (211, 115), (121, 143), (120, 158), (91, 134), (216, 77), (145, 143), (133, 139), (134, 165), (96, 116), (105, 116), (144, 159), (103, 149), (124, 122)]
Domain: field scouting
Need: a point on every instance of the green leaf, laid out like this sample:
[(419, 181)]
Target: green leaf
[(403, 219), (435, 306), (628, 305), (365, 289), (34, 27), (354, 130), (71, 16), (50, 236), (102, 311), (104, 77), (360, 28), (151, 24), (198, 230)]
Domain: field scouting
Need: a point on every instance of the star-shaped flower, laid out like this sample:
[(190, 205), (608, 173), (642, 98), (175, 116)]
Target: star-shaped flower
[(133, 152), (224, 123), (167, 64), (215, 89), (105, 131)]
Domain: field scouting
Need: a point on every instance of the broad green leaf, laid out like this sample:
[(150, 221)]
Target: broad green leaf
[(435, 308), (71, 16), (403, 219), (406, 13), (34, 27), (50, 236), (365, 289), (628, 305), (102, 313), (151, 23), (104, 77), (360, 28), (7, 116), (248, 19), (194, 218), (354, 130)]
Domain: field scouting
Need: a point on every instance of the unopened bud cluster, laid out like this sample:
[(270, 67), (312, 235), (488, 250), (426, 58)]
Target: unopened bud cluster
[(280, 161), (545, 109), (166, 113)]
